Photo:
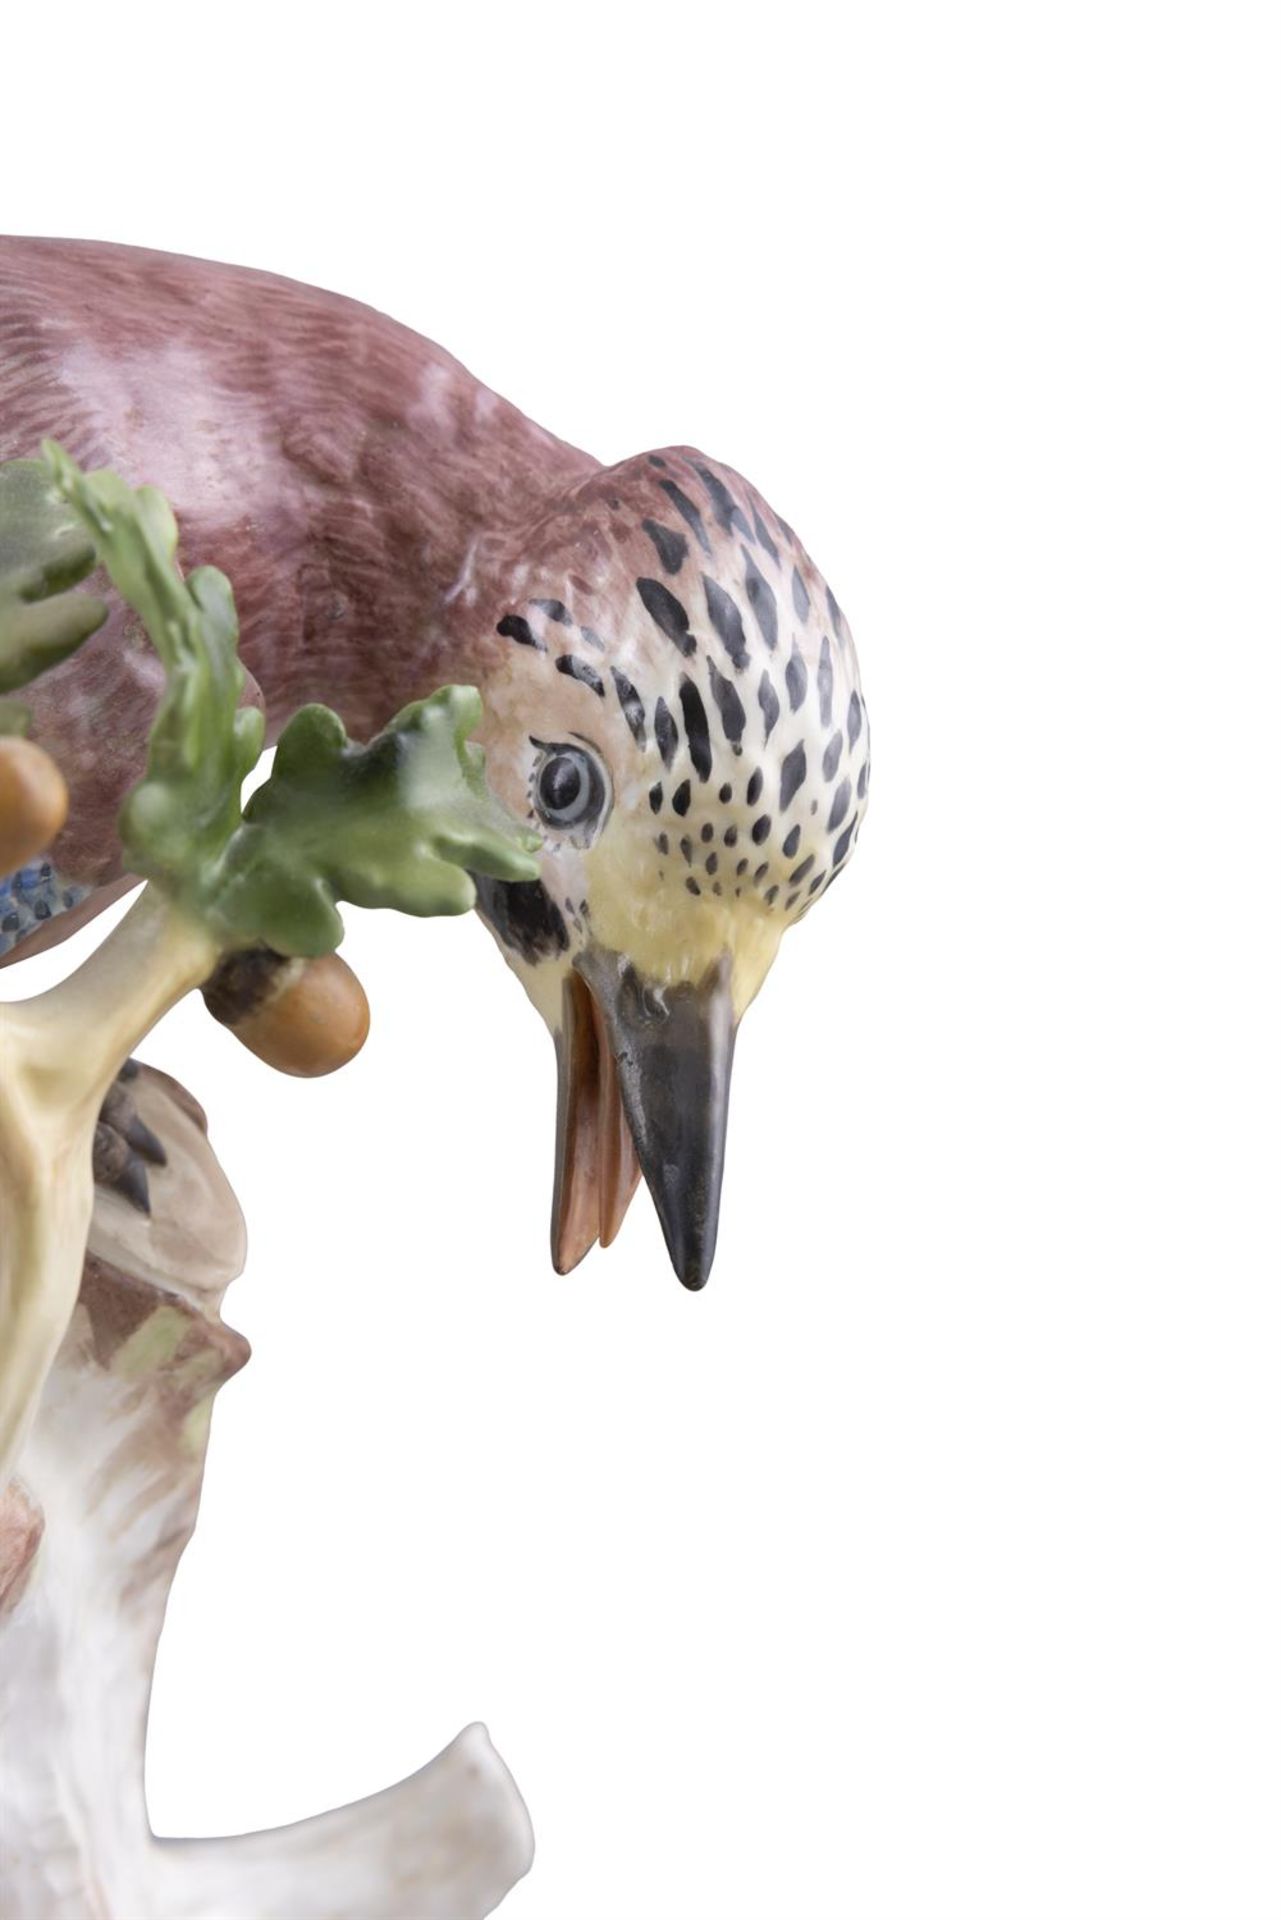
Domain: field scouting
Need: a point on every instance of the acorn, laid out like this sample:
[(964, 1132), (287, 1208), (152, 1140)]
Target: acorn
[(305, 1017), (33, 801)]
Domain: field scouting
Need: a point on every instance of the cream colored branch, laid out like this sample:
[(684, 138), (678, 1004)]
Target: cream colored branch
[(59, 1054), (76, 1036)]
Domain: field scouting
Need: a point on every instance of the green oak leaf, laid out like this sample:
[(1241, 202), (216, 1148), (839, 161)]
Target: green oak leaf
[(177, 821), (397, 823), (44, 554)]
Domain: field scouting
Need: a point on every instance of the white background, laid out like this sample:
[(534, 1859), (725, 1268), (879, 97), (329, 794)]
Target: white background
[(928, 1566)]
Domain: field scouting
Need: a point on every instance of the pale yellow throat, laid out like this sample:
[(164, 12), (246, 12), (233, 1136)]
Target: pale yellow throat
[(669, 935)]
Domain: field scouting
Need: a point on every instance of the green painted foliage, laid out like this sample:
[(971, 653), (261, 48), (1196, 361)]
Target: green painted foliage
[(45, 552), (398, 823), (177, 821)]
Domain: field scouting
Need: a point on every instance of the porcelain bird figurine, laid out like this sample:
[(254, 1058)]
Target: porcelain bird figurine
[(671, 691)]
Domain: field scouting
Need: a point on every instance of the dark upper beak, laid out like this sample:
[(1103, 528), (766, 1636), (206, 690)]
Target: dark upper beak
[(662, 1054)]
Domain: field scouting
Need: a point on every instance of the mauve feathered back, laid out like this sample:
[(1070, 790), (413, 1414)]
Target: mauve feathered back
[(342, 470)]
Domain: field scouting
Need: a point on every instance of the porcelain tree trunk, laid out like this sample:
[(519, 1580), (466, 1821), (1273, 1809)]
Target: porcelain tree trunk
[(92, 1526)]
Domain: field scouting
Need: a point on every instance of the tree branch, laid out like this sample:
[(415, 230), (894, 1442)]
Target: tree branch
[(59, 1053)]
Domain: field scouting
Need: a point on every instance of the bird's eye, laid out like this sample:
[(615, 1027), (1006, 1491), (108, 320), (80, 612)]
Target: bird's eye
[(570, 790)]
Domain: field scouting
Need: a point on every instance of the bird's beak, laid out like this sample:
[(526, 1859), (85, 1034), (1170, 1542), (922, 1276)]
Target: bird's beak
[(644, 1087)]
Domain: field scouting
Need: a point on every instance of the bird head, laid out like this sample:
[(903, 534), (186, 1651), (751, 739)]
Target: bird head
[(672, 700)]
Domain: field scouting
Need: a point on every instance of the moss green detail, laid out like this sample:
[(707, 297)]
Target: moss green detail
[(151, 1346), (195, 1427)]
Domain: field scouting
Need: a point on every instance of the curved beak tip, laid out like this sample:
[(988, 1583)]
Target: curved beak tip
[(669, 1053), (691, 1257)]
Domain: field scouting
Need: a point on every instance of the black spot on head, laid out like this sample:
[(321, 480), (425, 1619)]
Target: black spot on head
[(840, 806), (726, 794), (724, 505), (523, 915), (663, 845), (740, 869), (667, 613), (695, 717), (580, 670), (760, 829), (771, 896), (832, 756), (761, 872), (834, 614), (672, 548), (760, 598), (711, 863), (754, 786), (656, 460), (592, 638), (554, 609), (797, 678), (687, 851), (825, 682), (680, 799), (762, 534), (791, 774), (730, 836), (817, 882), (730, 708), (632, 704), (790, 902), (862, 781), (725, 617), (707, 830), (800, 593), (854, 719), (842, 846), (514, 626), (791, 843), (769, 703), (688, 512), (692, 884), (656, 796), (794, 879), (665, 731)]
